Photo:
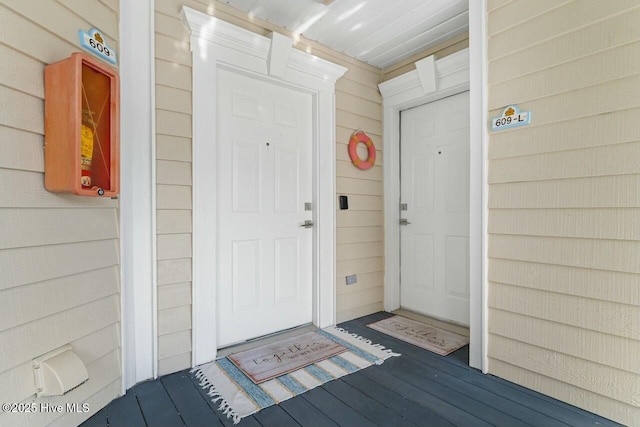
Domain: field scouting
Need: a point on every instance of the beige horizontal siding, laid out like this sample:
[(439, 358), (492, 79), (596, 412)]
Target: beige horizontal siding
[(19, 265), (622, 191), (360, 234), (173, 148), (174, 363), (174, 179), (612, 255), (613, 318), (41, 227), (174, 295), (588, 283), (173, 173), (174, 271), (492, 5), (21, 150), (173, 197), (174, 221), (174, 344), (603, 130), (614, 224), (577, 396), (564, 244), (173, 246), (172, 320), (33, 195), (548, 25), (24, 304), (591, 39), (566, 339)]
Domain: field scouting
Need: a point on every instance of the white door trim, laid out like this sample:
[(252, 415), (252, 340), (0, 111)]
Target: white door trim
[(137, 193), (432, 80), (217, 43), (479, 184)]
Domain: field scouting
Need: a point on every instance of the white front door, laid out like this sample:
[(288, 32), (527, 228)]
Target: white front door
[(264, 180), (434, 245)]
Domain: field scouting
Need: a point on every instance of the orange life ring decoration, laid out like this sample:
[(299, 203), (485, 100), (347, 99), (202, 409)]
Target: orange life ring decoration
[(360, 137)]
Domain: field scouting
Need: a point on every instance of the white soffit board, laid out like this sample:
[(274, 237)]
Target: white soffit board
[(379, 32)]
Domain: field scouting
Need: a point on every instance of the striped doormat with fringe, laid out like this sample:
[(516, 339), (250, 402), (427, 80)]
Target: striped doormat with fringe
[(240, 397)]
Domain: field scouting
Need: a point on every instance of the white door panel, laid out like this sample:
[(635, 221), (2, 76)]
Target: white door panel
[(264, 179), (435, 188)]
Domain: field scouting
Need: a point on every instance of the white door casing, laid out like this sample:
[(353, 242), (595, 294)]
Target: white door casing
[(434, 178), (433, 80), (214, 44), (264, 180)]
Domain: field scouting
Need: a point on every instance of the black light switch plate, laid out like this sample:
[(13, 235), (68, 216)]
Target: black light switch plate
[(344, 203)]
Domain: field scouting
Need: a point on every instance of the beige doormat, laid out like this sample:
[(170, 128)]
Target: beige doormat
[(428, 337), (273, 360)]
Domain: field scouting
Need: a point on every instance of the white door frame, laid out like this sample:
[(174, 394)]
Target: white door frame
[(431, 80), (215, 43)]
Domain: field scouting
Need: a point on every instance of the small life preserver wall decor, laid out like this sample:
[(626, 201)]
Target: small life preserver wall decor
[(360, 137)]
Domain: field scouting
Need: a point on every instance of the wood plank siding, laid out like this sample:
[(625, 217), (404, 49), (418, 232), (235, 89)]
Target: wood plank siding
[(59, 253), (564, 199)]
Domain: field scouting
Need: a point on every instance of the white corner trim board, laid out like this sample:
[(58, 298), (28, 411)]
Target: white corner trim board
[(137, 195), (432, 80), (216, 43)]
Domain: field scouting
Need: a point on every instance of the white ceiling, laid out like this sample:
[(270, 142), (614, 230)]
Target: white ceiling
[(379, 32)]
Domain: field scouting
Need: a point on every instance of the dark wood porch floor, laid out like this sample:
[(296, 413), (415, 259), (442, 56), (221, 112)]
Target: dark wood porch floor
[(419, 388)]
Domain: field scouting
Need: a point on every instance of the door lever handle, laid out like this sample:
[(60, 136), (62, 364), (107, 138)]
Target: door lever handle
[(404, 221), (307, 224)]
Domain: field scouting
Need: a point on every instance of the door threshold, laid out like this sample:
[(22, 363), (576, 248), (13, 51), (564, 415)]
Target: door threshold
[(447, 325), (266, 339)]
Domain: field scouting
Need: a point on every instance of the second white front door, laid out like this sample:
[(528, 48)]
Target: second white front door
[(264, 175), (434, 246)]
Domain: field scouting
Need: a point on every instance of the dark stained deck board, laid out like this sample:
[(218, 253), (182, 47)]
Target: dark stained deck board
[(419, 388), (190, 404), (341, 413), (531, 406), (156, 405), (445, 382), (441, 407), (306, 414), (98, 420), (364, 405), (275, 416), (125, 412), (406, 408)]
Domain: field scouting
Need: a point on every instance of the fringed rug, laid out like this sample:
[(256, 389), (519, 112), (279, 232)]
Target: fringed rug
[(428, 337), (239, 396)]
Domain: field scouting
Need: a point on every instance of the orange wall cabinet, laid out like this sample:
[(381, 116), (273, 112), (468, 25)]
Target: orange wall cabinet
[(82, 130)]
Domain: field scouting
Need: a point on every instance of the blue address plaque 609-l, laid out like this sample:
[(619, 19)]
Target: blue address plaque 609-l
[(511, 117)]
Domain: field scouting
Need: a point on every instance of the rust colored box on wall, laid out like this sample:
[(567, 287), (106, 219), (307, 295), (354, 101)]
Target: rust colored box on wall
[(82, 130)]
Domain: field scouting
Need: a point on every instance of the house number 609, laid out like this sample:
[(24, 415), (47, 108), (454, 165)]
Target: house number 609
[(101, 48)]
